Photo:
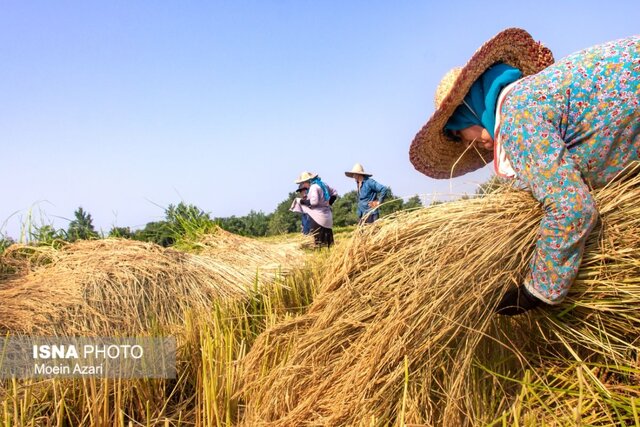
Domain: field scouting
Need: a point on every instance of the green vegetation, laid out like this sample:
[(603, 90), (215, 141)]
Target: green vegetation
[(48, 235), (345, 210), (5, 242), (185, 222), (120, 232), (282, 221), (81, 228)]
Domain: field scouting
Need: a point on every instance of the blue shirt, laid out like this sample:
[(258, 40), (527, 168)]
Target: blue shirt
[(369, 191)]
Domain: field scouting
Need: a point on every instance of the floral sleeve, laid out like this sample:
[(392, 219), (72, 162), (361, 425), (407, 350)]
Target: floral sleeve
[(541, 160)]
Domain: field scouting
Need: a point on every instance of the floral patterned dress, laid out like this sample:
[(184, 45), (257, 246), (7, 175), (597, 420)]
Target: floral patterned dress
[(567, 129)]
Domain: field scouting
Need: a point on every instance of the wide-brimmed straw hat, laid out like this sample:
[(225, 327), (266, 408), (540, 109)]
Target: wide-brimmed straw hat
[(305, 176), (357, 169), (435, 154)]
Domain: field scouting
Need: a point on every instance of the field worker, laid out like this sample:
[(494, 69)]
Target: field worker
[(370, 194), (560, 128), (306, 223), (317, 204)]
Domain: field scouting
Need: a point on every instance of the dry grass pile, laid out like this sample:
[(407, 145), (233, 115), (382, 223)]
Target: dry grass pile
[(118, 286), (271, 258), (403, 330)]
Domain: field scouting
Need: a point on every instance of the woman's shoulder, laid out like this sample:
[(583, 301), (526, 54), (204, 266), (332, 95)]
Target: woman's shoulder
[(524, 93), (543, 91)]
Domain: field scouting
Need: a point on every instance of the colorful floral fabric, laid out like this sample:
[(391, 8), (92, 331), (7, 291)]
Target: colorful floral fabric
[(565, 130)]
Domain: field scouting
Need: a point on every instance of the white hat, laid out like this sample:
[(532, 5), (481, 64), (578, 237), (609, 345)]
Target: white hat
[(305, 176), (357, 169)]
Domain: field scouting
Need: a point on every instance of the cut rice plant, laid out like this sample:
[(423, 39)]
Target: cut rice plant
[(100, 286), (403, 330), (206, 390), (566, 392), (393, 326), (97, 287)]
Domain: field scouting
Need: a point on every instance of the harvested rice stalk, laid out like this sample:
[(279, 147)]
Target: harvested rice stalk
[(272, 258), (403, 331), (114, 285)]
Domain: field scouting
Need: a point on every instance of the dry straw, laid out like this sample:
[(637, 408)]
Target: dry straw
[(123, 286), (271, 257), (403, 330)]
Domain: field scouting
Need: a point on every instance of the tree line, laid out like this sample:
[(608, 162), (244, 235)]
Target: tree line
[(281, 220), (185, 221)]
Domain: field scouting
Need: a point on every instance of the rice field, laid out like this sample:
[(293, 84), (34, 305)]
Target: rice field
[(392, 326)]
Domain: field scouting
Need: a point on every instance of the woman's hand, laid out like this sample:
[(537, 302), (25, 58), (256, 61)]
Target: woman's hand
[(517, 301)]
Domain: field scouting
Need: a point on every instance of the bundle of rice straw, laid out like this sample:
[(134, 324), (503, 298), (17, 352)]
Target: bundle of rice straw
[(116, 285), (272, 258), (403, 332)]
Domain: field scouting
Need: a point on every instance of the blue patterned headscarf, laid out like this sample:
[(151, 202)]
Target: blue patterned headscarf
[(325, 189), (479, 105)]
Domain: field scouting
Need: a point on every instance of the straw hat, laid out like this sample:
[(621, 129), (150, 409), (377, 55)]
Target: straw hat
[(357, 169), (432, 152), (305, 176)]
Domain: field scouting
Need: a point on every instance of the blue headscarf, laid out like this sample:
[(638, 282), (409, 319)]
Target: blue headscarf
[(325, 189), (482, 99)]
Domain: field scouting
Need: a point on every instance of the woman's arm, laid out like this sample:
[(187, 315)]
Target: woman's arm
[(314, 195), (540, 159), (381, 190)]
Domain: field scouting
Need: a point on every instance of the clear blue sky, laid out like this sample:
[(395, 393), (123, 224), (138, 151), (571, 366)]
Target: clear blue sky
[(125, 106)]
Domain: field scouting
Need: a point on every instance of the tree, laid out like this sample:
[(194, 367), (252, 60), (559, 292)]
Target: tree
[(158, 232), (233, 224), (412, 203), (81, 228), (256, 223), (345, 210), (121, 232), (390, 204), (282, 220)]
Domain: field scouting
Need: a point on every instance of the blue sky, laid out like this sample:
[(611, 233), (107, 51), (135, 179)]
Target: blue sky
[(124, 107)]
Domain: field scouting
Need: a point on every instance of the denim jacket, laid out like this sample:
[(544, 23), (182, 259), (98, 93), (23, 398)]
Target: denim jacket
[(369, 191)]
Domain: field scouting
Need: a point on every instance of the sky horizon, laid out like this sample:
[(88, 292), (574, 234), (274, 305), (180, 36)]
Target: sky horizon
[(126, 107)]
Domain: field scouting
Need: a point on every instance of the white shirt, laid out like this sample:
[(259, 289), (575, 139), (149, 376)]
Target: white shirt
[(501, 163)]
